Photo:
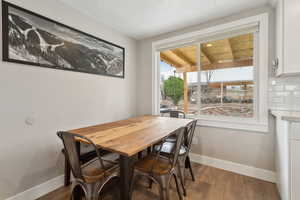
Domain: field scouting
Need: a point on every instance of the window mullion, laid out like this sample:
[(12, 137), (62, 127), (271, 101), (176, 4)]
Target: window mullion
[(198, 57), (255, 76)]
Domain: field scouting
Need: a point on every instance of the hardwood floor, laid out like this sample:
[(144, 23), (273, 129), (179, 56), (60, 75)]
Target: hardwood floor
[(210, 184)]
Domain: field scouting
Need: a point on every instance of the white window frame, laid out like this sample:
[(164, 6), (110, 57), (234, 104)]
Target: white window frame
[(259, 123)]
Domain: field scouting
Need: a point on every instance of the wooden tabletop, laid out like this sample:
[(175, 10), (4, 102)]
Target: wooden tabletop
[(130, 136)]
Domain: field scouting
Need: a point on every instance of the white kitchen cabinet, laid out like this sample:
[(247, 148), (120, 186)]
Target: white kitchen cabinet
[(288, 154), (282, 158), (287, 37), (278, 66), (295, 169)]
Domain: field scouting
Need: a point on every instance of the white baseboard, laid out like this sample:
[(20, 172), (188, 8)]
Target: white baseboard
[(40, 190), (258, 173)]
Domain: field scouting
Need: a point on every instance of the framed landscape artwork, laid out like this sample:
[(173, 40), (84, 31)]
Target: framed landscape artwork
[(32, 39)]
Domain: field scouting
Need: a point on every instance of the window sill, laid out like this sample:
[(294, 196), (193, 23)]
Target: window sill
[(231, 123)]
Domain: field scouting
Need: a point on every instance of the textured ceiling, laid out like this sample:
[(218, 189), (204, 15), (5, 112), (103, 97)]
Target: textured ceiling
[(145, 18)]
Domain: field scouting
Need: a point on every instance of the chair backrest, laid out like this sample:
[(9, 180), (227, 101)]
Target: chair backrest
[(176, 148), (189, 135), (175, 113), (69, 142)]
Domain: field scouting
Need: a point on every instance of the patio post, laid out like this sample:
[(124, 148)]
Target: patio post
[(185, 94)]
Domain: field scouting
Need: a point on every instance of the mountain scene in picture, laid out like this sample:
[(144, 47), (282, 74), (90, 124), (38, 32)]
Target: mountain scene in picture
[(35, 40)]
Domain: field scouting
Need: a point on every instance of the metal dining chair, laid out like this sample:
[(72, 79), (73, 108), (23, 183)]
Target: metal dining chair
[(92, 176), (184, 159), (86, 154), (161, 169)]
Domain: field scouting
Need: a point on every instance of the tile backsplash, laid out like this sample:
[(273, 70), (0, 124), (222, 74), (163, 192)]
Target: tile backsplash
[(284, 93)]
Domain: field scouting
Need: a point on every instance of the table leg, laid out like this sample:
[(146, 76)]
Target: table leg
[(126, 172)]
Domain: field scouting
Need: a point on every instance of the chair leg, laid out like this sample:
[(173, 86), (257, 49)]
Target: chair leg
[(92, 198), (77, 193), (150, 183), (165, 187), (91, 192), (132, 185), (177, 186), (181, 178), (190, 167)]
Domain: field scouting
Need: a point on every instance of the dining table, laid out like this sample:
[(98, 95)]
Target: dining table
[(129, 137)]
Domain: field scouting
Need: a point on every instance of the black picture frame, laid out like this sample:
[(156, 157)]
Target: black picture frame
[(116, 54)]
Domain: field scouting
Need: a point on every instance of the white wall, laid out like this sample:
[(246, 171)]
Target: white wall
[(55, 100), (248, 148)]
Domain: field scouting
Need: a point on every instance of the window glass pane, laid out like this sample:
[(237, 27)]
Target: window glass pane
[(222, 85), (229, 92), (227, 77), (179, 80)]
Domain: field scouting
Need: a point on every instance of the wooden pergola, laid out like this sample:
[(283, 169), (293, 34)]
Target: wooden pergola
[(226, 53)]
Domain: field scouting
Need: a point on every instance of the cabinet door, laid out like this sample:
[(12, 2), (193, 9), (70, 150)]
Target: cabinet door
[(279, 37), (295, 169), (291, 36), (282, 158)]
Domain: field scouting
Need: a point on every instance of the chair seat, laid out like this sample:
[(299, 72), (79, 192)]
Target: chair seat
[(92, 171), (168, 146), (155, 165)]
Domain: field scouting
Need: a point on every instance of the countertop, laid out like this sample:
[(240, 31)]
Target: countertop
[(293, 116)]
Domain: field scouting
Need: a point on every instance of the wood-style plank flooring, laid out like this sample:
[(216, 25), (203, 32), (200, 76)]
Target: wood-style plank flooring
[(210, 184)]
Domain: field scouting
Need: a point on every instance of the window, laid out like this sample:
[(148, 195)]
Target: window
[(218, 75), (220, 83)]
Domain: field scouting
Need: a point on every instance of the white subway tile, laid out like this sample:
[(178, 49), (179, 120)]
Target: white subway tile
[(284, 93)]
